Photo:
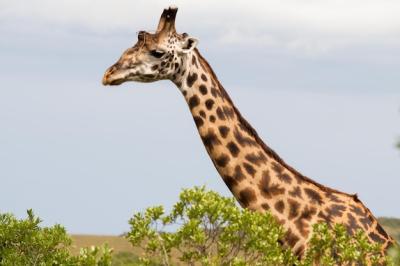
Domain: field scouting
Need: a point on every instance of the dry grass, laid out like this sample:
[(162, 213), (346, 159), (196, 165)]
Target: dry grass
[(118, 243), (121, 247)]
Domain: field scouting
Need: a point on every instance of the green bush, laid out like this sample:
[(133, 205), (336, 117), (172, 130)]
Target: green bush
[(213, 231), (208, 229), (332, 247), (203, 228), (394, 255), (23, 242)]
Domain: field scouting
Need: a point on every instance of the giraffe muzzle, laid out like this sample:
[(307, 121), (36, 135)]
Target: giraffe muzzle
[(110, 79)]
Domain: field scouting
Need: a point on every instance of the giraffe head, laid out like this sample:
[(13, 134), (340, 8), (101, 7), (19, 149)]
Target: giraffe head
[(155, 56)]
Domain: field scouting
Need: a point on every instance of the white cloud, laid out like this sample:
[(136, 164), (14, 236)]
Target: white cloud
[(308, 26)]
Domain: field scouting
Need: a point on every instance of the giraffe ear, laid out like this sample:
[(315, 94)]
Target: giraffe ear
[(188, 44)]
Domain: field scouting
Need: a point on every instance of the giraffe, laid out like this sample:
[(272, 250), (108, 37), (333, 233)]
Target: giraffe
[(255, 174)]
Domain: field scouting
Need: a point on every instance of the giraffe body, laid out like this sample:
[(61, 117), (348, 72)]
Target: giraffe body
[(257, 177)]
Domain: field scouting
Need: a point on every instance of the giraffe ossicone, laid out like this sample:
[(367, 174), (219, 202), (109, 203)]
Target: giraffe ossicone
[(257, 177)]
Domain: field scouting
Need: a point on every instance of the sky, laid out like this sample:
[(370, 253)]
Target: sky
[(317, 79)]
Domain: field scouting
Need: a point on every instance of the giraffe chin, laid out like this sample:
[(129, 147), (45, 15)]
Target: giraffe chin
[(114, 82)]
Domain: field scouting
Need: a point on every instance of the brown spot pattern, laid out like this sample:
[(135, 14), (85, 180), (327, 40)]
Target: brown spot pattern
[(249, 169), (202, 114), (291, 239), (223, 130), (279, 206), (222, 160), (375, 237), (284, 177), (243, 140), (352, 224), (296, 192), (256, 159), (215, 92), (277, 167), (209, 104), (210, 140), (191, 78), (325, 217), (265, 206), (230, 182), (336, 210), (220, 114), (194, 61), (294, 207), (228, 111), (247, 196), (238, 174), (366, 221), (198, 120), (302, 222), (203, 89), (233, 148), (333, 197), (313, 195), (194, 101), (357, 210), (267, 189)]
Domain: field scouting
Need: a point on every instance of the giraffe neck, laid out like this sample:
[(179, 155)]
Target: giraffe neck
[(233, 151), (257, 177), (253, 175)]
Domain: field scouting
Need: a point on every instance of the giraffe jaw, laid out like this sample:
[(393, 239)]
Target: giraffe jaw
[(115, 82)]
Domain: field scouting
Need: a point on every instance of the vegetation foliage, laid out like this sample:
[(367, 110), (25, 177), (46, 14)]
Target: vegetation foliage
[(23, 242), (203, 228), (213, 230)]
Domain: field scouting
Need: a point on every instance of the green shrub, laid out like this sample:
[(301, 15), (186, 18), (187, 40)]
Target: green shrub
[(394, 255), (203, 228), (213, 231), (23, 242), (208, 229), (332, 247)]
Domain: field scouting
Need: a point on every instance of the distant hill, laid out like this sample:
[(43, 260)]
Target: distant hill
[(392, 226)]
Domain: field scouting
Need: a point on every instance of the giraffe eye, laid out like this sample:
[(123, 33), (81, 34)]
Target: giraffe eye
[(157, 53)]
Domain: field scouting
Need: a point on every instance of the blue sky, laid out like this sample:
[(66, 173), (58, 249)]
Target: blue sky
[(317, 79)]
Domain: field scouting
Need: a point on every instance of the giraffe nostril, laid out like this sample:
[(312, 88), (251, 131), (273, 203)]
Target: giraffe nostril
[(111, 70)]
